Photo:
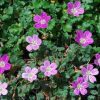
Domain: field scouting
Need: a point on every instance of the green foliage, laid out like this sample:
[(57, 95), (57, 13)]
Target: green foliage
[(16, 22)]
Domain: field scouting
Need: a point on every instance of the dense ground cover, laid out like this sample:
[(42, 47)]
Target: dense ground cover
[(49, 49)]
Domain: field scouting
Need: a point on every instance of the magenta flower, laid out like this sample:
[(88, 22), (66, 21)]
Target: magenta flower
[(34, 41), (3, 90), (30, 74), (80, 86), (84, 39), (88, 73), (75, 8), (48, 69), (41, 20), (4, 65), (97, 60)]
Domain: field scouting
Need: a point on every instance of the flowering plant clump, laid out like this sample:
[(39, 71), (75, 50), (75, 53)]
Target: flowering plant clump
[(75, 8), (88, 73), (97, 60), (49, 49), (41, 20), (49, 69), (4, 64), (83, 39), (30, 74), (34, 41), (80, 86), (3, 90)]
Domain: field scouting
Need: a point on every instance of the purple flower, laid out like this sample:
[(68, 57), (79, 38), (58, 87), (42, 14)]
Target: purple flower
[(97, 60), (30, 74), (48, 69), (4, 65), (75, 8), (34, 41), (80, 86), (41, 20), (88, 73), (84, 39), (3, 90)]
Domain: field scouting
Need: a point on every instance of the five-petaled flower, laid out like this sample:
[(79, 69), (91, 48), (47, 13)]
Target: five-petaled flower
[(88, 73), (3, 90), (75, 9), (49, 69), (41, 20), (4, 64), (84, 38), (97, 60), (80, 86), (30, 74), (34, 42)]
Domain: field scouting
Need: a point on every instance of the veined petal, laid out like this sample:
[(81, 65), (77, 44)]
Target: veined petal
[(94, 71), (76, 91), (92, 78)]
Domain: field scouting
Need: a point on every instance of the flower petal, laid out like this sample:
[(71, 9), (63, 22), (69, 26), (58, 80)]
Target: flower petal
[(7, 66), (89, 67), (42, 68), (92, 79), (35, 47), (46, 63), (37, 18), (27, 69), (87, 34), (77, 4), (29, 47), (47, 74), (25, 75), (54, 72), (83, 70), (4, 91), (5, 57), (76, 91), (81, 10), (37, 25), (83, 91), (53, 65), (85, 84), (29, 39), (4, 85), (34, 70), (94, 71), (70, 5)]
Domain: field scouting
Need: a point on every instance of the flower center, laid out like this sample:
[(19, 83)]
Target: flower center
[(74, 10), (82, 40), (88, 73), (79, 86), (34, 43), (2, 64), (43, 21), (48, 69), (30, 75)]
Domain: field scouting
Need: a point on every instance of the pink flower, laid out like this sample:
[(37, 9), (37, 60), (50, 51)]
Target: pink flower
[(41, 20), (30, 74), (4, 65), (84, 39), (48, 69), (3, 90), (88, 73), (75, 8), (97, 60), (34, 41), (80, 86)]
